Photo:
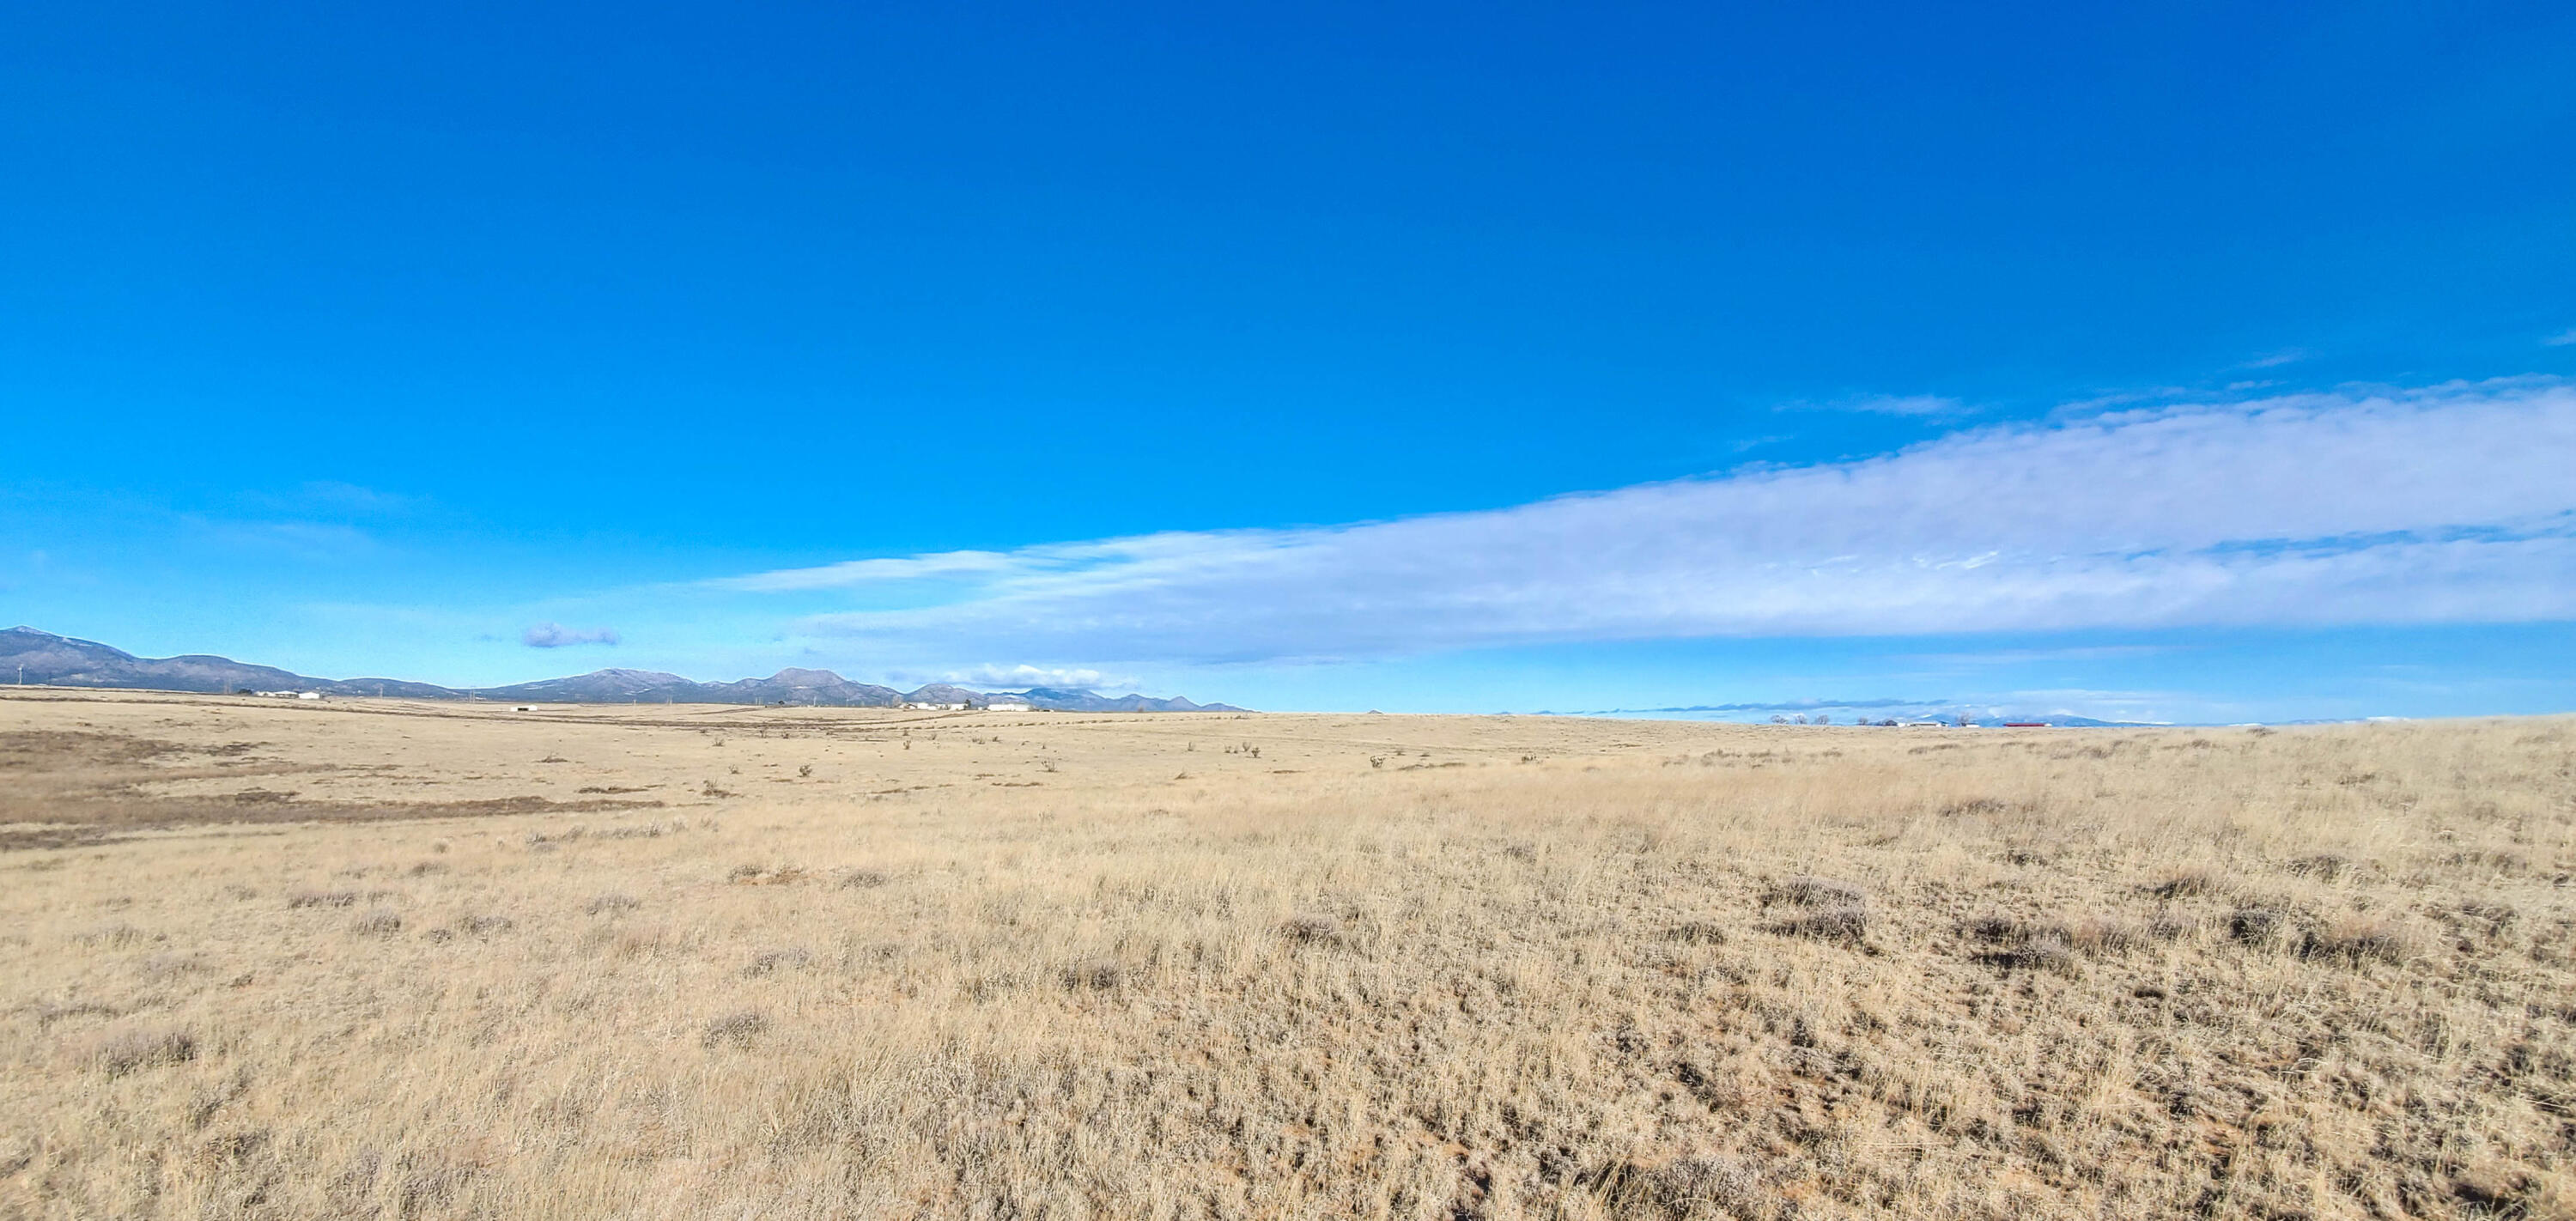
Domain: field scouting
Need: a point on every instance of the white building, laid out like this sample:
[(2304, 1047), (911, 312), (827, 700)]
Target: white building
[(998, 706)]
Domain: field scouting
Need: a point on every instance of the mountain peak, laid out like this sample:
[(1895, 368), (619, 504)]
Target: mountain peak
[(37, 656)]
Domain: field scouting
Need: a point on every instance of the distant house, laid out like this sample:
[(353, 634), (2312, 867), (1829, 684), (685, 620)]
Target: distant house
[(308, 695), (1000, 706), (921, 707)]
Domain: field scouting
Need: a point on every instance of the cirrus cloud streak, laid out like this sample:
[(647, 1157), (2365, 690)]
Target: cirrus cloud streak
[(2438, 505)]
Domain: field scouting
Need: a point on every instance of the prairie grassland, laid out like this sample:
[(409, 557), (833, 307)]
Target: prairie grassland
[(995, 966)]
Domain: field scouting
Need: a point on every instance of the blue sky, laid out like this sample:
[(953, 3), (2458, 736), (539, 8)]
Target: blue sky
[(2201, 363)]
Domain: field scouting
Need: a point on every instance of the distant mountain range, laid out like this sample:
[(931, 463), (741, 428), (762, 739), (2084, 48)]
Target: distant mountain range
[(1862, 712), (31, 656)]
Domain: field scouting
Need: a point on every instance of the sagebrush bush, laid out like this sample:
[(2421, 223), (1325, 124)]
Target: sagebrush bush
[(1830, 923), (785, 957), (128, 1051), (1311, 926), (2258, 925), (736, 1029), (2360, 938), (1809, 891)]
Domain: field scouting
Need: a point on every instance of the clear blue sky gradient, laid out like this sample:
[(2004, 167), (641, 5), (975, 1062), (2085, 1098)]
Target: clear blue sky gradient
[(356, 340)]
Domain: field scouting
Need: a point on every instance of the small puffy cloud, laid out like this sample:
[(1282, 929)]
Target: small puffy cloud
[(556, 636), (2562, 338)]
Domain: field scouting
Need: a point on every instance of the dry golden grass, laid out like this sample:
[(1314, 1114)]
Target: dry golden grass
[(1023, 966)]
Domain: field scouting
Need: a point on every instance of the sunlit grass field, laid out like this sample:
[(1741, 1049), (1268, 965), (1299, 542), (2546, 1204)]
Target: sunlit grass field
[(377, 959)]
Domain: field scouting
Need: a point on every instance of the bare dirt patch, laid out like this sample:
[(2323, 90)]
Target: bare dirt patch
[(66, 788)]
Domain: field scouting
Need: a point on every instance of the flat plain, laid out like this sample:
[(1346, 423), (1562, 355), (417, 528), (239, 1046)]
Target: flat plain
[(418, 960)]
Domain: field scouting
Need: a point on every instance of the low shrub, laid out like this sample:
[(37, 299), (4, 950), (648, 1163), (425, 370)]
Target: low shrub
[(1846, 923), (2190, 883), (2323, 866), (735, 1029), (2359, 939), (1310, 927), (1807, 891), (2257, 925), (132, 1050), (767, 961), (1098, 974)]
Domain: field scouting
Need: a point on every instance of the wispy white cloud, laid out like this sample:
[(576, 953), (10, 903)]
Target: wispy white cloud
[(556, 636), (2439, 505), (2561, 339), (850, 573), (307, 541), (2016, 657), (1035, 676), (1929, 405), (2274, 360), (330, 496)]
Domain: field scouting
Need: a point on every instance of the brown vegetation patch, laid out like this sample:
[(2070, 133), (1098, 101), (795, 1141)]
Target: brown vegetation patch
[(23, 839), (785, 958), (1311, 927), (127, 1051), (1809, 891), (2187, 884), (1845, 923), (735, 1029), (71, 788)]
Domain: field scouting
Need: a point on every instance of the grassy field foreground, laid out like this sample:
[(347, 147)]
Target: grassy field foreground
[(418, 961)]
